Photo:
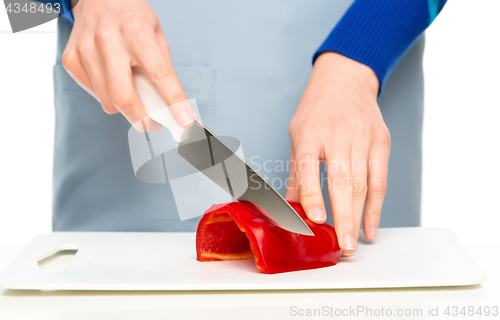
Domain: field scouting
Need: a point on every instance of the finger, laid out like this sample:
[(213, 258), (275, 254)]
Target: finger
[(377, 185), (94, 66), (292, 189), (359, 156), (122, 91), (76, 70), (186, 106), (74, 66), (308, 181), (156, 63), (340, 192)]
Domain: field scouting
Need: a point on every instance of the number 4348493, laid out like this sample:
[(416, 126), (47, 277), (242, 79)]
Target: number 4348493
[(472, 311), (34, 8)]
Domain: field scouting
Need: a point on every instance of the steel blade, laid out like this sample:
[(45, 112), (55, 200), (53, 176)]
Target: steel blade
[(217, 161)]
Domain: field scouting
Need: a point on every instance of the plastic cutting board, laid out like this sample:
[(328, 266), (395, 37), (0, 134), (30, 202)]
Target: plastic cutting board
[(400, 257)]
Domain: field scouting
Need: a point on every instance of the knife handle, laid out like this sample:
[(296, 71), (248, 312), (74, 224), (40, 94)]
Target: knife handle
[(153, 102)]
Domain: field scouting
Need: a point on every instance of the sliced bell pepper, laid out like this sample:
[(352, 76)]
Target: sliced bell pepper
[(231, 231)]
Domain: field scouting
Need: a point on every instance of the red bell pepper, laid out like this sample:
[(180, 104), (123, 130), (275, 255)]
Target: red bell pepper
[(232, 231)]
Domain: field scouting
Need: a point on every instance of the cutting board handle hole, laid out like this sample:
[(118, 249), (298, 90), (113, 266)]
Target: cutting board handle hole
[(57, 261)]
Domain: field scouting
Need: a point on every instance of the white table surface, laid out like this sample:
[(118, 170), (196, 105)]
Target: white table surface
[(252, 304)]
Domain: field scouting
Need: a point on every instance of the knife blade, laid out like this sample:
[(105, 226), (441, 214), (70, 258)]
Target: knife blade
[(201, 148), (216, 160)]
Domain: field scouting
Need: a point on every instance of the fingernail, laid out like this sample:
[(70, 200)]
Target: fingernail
[(317, 214), (349, 242), (347, 254), (185, 118), (373, 232)]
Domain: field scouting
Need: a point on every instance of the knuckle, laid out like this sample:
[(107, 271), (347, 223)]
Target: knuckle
[(306, 140), (309, 197), (134, 25), (300, 132), (332, 130), (108, 108), (69, 59), (305, 155), (373, 214), (343, 218), (379, 186), (359, 189), (85, 47), (122, 100), (294, 124), (104, 37), (342, 174), (339, 183), (160, 71), (339, 124), (306, 162), (177, 97), (309, 187), (359, 125), (341, 180), (383, 138)]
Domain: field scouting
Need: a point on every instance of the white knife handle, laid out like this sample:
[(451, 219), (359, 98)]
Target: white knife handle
[(155, 106)]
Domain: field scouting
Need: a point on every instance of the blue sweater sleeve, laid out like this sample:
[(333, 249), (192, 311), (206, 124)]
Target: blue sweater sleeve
[(377, 33), (65, 4)]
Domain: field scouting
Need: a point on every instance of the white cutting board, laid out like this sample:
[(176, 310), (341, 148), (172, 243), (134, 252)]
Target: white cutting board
[(400, 257)]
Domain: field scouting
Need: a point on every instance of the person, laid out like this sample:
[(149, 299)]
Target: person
[(248, 64)]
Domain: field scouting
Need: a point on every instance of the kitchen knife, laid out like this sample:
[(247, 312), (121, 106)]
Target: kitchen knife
[(201, 148)]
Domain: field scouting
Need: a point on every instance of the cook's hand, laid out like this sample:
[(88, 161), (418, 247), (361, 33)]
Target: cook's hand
[(108, 38), (339, 122)]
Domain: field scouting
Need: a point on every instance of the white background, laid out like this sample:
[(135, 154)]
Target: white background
[(461, 129)]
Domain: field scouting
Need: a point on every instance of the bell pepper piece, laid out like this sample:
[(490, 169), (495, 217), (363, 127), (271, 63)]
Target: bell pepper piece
[(232, 231)]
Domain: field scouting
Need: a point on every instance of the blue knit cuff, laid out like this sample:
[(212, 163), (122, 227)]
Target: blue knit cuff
[(67, 8), (377, 33)]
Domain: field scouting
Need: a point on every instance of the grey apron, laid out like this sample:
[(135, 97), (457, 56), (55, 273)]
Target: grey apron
[(247, 64)]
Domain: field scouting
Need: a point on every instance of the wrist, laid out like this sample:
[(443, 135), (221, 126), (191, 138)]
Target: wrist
[(75, 8), (332, 67)]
